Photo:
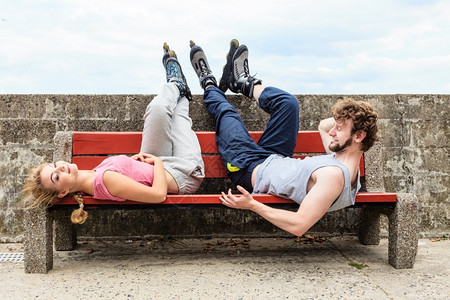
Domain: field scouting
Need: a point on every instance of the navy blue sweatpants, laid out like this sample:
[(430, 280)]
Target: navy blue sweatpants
[(239, 152)]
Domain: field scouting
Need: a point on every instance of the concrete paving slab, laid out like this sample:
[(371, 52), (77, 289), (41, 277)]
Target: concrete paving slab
[(224, 268)]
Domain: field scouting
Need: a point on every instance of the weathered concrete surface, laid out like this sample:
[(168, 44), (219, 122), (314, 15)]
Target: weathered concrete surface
[(230, 269), (414, 128)]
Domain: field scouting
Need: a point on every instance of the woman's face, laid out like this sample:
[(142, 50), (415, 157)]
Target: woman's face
[(60, 176)]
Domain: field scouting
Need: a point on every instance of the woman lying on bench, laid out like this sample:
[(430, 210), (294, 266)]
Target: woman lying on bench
[(169, 161)]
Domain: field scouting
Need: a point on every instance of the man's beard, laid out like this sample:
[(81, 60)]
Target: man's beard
[(338, 148)]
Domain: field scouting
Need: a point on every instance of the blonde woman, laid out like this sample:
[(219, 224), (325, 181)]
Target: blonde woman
[(169, 161)]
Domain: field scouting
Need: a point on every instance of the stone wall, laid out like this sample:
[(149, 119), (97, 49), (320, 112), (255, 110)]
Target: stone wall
[(414, 138)]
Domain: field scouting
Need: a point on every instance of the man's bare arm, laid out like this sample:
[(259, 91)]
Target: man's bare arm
[(324, 127), (328, 185)]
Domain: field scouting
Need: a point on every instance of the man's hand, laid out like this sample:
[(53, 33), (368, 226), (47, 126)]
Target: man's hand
[(245, 201)]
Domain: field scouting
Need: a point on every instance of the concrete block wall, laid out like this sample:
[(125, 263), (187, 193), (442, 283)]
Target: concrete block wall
[(414, 139)]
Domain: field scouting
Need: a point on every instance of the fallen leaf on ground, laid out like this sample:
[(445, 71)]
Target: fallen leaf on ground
[(309, 239)]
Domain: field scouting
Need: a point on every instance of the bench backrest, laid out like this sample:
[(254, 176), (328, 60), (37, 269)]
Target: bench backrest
[(88, 149), (91, 148)]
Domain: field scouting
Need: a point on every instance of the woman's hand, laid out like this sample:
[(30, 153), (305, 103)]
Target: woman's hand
[(147, 158), (245, 201)]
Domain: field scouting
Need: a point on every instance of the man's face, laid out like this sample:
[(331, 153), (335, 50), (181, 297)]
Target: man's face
[(341, 134)]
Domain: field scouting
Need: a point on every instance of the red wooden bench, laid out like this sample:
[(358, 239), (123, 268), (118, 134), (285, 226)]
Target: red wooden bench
[(88, 149)]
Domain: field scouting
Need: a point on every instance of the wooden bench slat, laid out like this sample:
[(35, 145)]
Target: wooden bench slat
[(87, 162), (310, 141), (207, 141), (114, 143), (362, 197), (85, 143), (214, 169), (106, 142)]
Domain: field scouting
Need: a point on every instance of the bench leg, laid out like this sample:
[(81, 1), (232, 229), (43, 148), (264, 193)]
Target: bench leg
[(369, 227), (38, 241), (65, 231), (404, 224)]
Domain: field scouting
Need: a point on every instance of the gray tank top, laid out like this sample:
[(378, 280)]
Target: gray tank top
[(288, 178)]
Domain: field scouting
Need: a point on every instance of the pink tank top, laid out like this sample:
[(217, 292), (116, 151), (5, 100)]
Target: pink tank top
[(136, 170)]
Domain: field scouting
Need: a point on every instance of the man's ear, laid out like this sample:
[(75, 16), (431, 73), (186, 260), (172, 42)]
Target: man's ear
[(359, 136), (63, 194)]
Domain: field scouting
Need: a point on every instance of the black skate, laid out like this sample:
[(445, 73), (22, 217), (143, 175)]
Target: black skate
[(240, 79), (174, 72), (227, 74), (201, 66)]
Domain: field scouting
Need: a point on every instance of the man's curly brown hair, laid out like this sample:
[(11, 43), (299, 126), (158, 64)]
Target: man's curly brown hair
[(363, 117)]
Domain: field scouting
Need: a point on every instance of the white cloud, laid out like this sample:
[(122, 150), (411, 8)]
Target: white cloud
[(315, 47)]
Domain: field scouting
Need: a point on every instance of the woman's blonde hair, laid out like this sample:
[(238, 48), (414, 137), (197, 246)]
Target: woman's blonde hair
[(38, 195)]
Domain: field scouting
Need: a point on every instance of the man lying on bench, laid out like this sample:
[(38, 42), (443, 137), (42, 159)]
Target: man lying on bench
[(319, 184)]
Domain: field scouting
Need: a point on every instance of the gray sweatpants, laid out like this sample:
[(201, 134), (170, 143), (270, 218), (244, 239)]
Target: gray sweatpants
[(168, 134)]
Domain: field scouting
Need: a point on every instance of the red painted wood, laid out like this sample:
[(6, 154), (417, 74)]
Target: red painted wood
[(214, 168), (207, 141), (363, 197), (106, 142), (362, 169), (114, 143), (87, 162), (85, 143)]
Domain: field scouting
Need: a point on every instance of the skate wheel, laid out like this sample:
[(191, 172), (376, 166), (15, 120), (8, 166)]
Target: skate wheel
[(172, 53), (235, 42), (166, 47), (191, 43)]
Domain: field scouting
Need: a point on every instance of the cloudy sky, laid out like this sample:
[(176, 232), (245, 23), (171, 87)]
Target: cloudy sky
[(304, 47)]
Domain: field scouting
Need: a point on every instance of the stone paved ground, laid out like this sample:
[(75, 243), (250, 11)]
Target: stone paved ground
[(223, 268)]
